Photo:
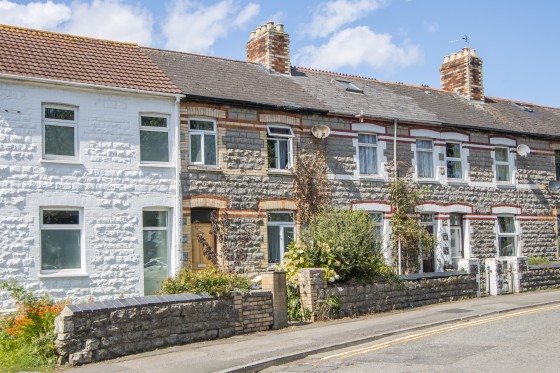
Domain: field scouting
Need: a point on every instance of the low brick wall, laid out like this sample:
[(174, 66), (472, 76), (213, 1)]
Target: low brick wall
[(105, 330), (541, 277), (413, 291)]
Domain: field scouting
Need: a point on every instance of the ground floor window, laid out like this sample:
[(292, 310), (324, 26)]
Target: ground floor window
[(507, 236), (281, 232), (156, 249), (61, 239), (377, 218)]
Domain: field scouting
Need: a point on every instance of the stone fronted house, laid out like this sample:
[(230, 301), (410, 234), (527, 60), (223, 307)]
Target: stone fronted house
[(88, 167), (113, 156), (487, 162)]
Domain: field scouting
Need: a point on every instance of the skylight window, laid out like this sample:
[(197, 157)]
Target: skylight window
[(349, 86), (523, 107)]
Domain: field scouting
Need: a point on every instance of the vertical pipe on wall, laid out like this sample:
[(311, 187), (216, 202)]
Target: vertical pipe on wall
[(178, 193), (395, 122)]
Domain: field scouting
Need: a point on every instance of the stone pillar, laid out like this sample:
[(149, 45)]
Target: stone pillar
[(237, 299), (276, 283), (472, 267), (311, 282), (518, 265)]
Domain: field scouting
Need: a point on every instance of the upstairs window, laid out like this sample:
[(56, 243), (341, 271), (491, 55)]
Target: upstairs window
[(507, 236), (453, 160), (61, 239), (60, 132), (279, 147), (154, 139), (203, 143), (367, 152), (502, 164), (425, 158)]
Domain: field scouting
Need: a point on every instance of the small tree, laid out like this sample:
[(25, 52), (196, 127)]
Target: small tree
[(407, 233), (312, 190), (229, 254)]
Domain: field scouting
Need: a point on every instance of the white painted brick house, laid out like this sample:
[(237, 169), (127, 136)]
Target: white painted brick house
[(88, 167)]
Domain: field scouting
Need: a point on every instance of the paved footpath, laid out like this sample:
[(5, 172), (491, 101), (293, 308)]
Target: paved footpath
[(253, 352)]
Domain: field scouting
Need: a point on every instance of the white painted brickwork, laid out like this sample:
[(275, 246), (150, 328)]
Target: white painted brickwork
[(107, 183)]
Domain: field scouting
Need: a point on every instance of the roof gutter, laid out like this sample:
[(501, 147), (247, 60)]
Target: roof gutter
[(90, 86)]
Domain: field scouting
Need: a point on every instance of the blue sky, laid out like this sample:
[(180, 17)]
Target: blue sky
[(391, 40)]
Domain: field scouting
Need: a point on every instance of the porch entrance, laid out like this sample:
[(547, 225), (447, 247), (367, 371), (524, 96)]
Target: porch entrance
[(201, 221)]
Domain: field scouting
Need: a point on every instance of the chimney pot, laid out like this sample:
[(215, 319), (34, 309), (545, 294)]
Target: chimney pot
[(280, 28), (269, 25), (473, 52), (445, 59), (252, 35), (452, 56)]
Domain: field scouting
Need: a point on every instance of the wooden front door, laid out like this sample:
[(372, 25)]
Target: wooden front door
[(199, 261)]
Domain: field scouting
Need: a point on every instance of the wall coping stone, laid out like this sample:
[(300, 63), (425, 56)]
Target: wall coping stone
[(420, 276), (545, 266)]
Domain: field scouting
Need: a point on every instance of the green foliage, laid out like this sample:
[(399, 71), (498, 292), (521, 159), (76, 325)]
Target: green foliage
[(329, 307), (342, 242), (538, 260), (210, 280), (27, 335), (406, 229), (296, 311)]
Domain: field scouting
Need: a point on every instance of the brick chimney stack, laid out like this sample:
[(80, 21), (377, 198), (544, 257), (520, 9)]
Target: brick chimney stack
[(461, 72), (269, 45)]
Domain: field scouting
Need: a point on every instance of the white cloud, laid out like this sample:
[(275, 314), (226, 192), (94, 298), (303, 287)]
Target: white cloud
[(194, 27), (358, 46), (332, 15), (39, 15), (111, 19), (431, 26)]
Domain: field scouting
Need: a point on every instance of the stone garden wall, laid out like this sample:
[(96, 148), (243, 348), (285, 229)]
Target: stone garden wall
[(105, 330), (413, 291), (541, 277)]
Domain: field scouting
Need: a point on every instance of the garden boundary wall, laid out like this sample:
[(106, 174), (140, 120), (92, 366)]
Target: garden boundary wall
[(541, 277), (104, 330), (355, 299)]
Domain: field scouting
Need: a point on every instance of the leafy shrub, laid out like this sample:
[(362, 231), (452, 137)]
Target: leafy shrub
[(27, 335), (210, 280), (343, 243)]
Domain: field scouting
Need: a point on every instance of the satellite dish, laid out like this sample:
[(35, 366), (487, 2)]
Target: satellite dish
[(523, 150), (321, 131), (554, 185)]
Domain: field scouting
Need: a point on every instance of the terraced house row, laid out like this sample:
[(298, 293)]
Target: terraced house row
[(113, 155)]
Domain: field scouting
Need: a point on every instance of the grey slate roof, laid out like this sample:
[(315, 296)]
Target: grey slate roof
[(230, 80), (424, 104)]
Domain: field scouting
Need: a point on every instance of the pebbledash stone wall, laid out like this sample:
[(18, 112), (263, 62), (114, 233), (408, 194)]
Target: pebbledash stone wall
[(106, 182), (243, 185), (541, 277), (105, 330), (412, 291)]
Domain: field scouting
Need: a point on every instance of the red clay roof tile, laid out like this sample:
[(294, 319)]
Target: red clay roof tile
[(49, 55)]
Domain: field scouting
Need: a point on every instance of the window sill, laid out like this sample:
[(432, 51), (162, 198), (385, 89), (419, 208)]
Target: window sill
[(157, 165), (280, 172), (506, 185), (428, 181), (214, 169), (64, 274), (70, 162), (371, 177), (457, 182)]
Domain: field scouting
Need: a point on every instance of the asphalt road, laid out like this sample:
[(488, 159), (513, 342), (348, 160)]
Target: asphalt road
[(520, 341)]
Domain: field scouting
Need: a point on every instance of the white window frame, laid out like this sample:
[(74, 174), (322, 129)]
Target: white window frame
[(378, 225), (60, 123), (503, 163), (156, 129), (282, 225), (203, 134), (418, 159), (454, 159), (277, 138), (514, 234), (79, 226), (366, 145), (167, 228)]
